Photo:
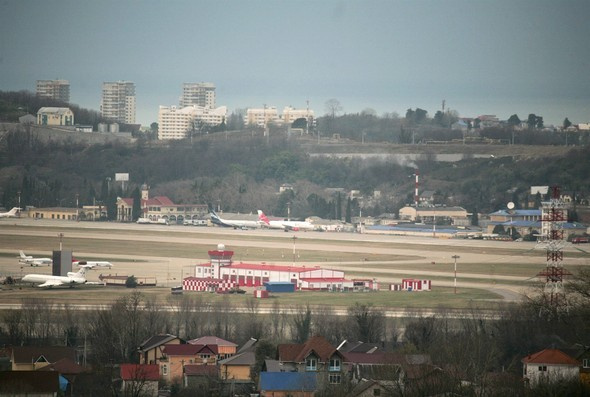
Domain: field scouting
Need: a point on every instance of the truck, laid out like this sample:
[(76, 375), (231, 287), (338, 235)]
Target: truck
[(195, 222), (160, 221)]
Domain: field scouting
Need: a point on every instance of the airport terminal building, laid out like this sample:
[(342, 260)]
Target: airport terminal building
[(222, 274)]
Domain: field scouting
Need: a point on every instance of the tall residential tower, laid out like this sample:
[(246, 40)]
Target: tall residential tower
[(118, 102), (54, 89), (200, 94)]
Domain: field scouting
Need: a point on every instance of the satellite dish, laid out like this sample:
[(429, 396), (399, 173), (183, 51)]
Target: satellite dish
[(510, 205)]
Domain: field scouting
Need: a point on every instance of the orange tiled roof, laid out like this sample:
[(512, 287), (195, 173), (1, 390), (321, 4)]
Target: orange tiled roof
[(550, 356)]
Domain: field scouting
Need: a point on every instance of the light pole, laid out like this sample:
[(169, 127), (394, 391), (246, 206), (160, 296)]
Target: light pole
[(61, 236), (294, 239), (455, 257), (18, 199), (77, 214)]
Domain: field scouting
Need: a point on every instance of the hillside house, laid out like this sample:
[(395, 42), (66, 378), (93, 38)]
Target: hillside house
[(152, 349), (316, 355), (139, 379), (549, 365), (32, 358)]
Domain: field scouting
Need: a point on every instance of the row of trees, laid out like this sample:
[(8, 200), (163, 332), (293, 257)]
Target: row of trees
[(474, 346)]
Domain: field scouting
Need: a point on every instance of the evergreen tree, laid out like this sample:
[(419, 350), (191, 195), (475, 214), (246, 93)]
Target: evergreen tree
[(474, 218), (348, 218), (136, 211)]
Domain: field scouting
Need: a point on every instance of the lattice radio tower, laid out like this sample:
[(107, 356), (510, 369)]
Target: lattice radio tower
[(554, 215)]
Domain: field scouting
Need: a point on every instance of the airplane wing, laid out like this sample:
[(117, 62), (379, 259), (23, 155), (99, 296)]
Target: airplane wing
[(50, 283)]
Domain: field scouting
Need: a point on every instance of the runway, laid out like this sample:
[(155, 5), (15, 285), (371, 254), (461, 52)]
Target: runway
[(505, 268)]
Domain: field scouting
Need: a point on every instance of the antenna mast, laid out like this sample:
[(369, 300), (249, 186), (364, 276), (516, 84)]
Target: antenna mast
[(553, 217)]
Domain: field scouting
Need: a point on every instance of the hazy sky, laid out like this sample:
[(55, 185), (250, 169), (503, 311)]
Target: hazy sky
[(483, 57)]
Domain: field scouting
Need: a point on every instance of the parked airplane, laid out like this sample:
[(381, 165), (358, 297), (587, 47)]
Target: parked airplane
[(13, 213), (236, 224), (47, 280), (29, 260), (92, 264), (285, 225)]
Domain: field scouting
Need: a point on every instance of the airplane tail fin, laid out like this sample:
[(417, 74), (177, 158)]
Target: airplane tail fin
[(13, 211), (263, 217), (22, 255)]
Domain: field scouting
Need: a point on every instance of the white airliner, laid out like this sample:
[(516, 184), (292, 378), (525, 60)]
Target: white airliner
[(29, 260), (47, 280), (236, 224), (13, 213), (285, 225), (92, 264)]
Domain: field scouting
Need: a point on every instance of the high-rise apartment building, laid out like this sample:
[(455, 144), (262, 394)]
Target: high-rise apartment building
[(200, 94), (54, 89), (118, 102)]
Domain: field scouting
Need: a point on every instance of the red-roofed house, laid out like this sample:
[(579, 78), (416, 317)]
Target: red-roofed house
[(315, 355), (140, 379), (549, 365), (151, 349), (159, 207), (175, 357), (205, 377), (223, 347)]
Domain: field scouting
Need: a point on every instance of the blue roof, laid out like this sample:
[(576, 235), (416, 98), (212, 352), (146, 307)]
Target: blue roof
[(519, 223), (415, 228), (574, 225), (278, 283), (288, 381), (536, 212)]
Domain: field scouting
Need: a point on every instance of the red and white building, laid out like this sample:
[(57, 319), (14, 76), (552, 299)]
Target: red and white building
[(412, 284), (221, 270)]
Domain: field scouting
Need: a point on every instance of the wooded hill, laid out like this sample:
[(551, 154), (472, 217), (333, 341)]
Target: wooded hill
[(243, 172)]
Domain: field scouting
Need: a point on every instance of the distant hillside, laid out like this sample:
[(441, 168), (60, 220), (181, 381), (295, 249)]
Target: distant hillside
[(242, 173), (14, 104)]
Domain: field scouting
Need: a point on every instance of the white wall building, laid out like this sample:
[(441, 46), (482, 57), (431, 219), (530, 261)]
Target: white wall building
[(262, 116), (55, 116), (200, 94), (290, 114), (549, 365), (118, 102), (174, 123), (54, 89)]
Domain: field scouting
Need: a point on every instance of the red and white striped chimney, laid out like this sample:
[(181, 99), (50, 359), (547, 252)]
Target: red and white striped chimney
[(416, 198)]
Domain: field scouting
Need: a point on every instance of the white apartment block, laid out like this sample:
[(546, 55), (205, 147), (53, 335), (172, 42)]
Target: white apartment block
[(290, 114), (262, 117), (118, 102), (54, 89), (174, 123), (200, 94)]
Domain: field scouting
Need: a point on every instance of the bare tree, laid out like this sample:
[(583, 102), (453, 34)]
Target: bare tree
[(333, 107), (366, 322)]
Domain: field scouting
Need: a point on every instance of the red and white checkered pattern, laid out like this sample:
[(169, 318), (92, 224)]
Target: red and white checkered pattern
[(207, 284)]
